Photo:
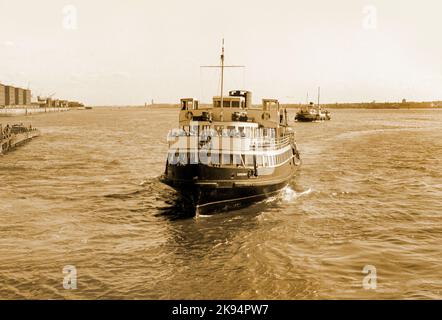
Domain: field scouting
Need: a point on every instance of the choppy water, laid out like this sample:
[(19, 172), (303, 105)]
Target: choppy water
[(86, 193)]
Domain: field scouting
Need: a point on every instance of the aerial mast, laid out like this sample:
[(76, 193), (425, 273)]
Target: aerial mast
[(222, 66), (222, 82), (319, 95)]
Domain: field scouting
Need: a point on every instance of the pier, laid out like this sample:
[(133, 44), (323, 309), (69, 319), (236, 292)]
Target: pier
[(14, 136)]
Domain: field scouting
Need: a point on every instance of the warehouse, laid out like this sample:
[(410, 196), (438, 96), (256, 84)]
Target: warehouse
[(11, 96), (2, 96)]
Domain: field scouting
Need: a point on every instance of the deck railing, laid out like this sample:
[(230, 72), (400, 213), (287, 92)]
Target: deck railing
[(181, 138)]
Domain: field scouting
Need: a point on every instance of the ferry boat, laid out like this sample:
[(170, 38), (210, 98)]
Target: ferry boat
[(230, 154), (311, 113)]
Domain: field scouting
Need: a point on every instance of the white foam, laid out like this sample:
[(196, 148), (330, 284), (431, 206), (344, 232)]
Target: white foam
[(288, 194)]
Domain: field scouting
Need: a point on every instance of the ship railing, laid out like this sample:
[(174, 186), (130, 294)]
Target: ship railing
[(275, 143), (213, 133), (263, 143)]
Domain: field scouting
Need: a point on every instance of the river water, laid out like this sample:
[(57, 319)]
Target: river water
[(86, 194)]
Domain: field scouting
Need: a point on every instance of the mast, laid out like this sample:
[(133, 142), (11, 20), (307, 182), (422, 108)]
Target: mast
[(222, 66), (319, 95), (222, 83)]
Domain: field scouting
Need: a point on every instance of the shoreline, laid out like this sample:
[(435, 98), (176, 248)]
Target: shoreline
[(376, 105), (14, 112)]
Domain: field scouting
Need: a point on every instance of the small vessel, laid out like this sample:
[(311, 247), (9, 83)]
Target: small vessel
[(15, 135), (311, 113), (230, 154)]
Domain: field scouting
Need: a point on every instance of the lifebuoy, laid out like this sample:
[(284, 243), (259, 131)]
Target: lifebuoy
[(265, 116), (189, 115)]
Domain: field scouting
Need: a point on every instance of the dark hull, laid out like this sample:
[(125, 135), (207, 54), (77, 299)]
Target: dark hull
[(311, 118), (305, 118), (216, 190)]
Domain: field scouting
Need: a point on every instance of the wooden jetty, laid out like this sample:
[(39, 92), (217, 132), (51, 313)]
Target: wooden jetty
[(15, 135)]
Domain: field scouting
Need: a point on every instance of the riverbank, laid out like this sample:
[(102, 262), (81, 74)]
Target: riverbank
[(357, 105), (11, 112), (378, 105)]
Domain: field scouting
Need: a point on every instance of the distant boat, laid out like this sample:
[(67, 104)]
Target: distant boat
[(311, 113), (88, 108)]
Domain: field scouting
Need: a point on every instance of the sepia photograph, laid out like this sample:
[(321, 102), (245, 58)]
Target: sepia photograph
[(220, 151)]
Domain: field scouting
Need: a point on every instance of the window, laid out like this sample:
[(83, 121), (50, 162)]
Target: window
[(259, 161), (265, 161), (183, 158), (237, 159), (215, 158), (217, 104), (226, 159), (193, 158), (249, 160), (235, 104), (226, 104)]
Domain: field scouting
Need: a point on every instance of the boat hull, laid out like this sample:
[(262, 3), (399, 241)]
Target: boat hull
[(214, 193), (306, 118), (303, 117), (223, 199)]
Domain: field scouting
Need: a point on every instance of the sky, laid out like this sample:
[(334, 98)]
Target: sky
[(113, 52)]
